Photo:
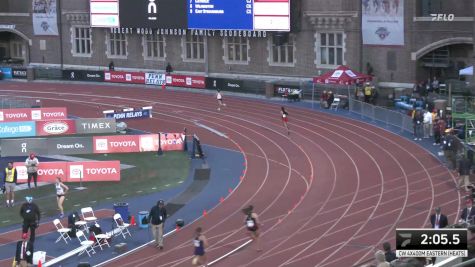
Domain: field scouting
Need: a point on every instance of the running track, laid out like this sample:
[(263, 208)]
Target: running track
[(328, 194)]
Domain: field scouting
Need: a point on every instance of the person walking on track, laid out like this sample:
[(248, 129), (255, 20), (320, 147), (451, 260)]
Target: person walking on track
[(219, 97), (32, 164), (157, 217), (9, 181), (61, 190), (252, 225), (30, 213), (285, 118), (200, 243)]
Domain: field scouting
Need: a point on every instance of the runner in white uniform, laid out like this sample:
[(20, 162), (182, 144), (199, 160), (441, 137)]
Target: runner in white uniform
[(219, 97), (61, 190)]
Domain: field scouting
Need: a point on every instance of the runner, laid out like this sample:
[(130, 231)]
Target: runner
[(200, 243), (285, 118), (61, 190), (252, 225), (220, 100)]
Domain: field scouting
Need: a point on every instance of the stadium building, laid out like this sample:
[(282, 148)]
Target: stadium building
[(408, 45)]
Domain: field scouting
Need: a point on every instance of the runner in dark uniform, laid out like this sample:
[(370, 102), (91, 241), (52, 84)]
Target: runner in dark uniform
[(285, 118), (200, 243), (252, 225)]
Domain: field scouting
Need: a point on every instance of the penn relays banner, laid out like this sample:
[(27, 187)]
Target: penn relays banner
[(87, 171)]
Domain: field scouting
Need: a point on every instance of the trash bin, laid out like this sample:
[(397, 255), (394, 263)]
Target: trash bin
[(143, 214), (123, 210)]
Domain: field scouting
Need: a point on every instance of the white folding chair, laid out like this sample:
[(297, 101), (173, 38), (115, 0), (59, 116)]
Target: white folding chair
[(86, 243), (88, 215), (121, 225), (101, 240), (82, 225), (335, 104), (63, 232)]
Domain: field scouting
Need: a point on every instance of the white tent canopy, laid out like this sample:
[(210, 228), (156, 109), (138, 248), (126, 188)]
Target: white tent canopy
[(467, 71)]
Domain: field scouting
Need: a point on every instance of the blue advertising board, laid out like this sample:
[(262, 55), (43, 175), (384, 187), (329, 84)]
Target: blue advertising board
[(127, 115), (7, 73), (17, 129), (220, 14)]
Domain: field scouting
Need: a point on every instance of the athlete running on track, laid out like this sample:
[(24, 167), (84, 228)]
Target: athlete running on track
[(252, 225), (200, 243), (285, 118), (61, 190), (219, 97)]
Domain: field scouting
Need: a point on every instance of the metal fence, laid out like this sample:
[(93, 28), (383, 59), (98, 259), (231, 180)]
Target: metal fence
[(7, 102)]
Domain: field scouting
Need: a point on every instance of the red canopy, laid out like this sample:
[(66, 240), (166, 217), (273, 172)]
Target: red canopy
[(342, 75)]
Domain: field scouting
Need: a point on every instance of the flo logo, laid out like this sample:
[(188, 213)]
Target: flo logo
[(382, 32), (442, 17)]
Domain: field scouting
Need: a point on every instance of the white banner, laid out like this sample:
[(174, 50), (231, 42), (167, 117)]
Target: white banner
[(44, 17), (154, 78), (383, 22)]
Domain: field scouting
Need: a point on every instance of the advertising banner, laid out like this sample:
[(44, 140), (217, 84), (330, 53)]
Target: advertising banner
[(124, 77), (55, 127), (68, 145), (224, 84), (47, 171), (7, 73), (116, 144), (44, 17), (17, 129), (171, 141), (32, 114), (23, 147), (104, 14), (136, 114), (155, 78), (186, 81), (163, 14), (19, 73), (88, 171), (88, 126), (383, 24), (83, 75), (285, 89)]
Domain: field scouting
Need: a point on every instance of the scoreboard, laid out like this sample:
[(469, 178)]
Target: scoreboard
[(259, 15)]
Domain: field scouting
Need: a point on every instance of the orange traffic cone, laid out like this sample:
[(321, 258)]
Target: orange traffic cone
[(40, 264), (163, 86), (177, 228), (221, 199), (132, 220), (204, 213)]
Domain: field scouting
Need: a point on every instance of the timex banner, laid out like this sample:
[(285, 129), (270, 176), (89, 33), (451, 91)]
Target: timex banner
[(88, 126)]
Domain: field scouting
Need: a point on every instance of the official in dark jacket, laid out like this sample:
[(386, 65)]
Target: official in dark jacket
[(438, 220), (157, 217), (30, 213), (464, 174), (24, 252)]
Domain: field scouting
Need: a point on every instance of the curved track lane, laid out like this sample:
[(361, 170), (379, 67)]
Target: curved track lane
[(328, 194)]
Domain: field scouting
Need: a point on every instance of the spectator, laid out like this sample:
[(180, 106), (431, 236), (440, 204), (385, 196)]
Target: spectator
[(30, 213), (111, 66), (168, 68), (464, 173), (9, 181), (157, 217), (367, 92), (449, 148), (468, 212), (389, 255), (418, 120), (427, 123), (24, 252), (323, 99), (435, 84), (438, 220), (32, 164), (436, 131), (330, 99), (380, 259)]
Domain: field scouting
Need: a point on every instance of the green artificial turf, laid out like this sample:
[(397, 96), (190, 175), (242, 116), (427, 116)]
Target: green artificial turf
[(151, 174)]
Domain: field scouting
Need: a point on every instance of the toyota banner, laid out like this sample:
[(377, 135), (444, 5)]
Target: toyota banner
[(87, 171), (32, 114), (124, 77), (186, 81)]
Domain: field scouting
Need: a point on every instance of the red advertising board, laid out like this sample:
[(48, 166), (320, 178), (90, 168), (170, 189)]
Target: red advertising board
[(32, 114), (171, 141), (124, 77), (186, 81), (116, 144), (55, 127), (89, 171)]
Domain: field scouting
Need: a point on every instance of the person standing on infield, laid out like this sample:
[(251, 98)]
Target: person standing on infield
[(285, 118), (157, 217), (30, 213), (200, 243), (252, 225), (219, 97), (9, 181), (61, 190), (24, 252), (32, 164)]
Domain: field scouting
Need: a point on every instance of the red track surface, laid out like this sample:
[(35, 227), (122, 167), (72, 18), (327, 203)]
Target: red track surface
[(328, 194)]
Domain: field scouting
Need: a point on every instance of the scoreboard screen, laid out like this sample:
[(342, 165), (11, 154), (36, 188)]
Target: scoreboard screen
[(250, 15)]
